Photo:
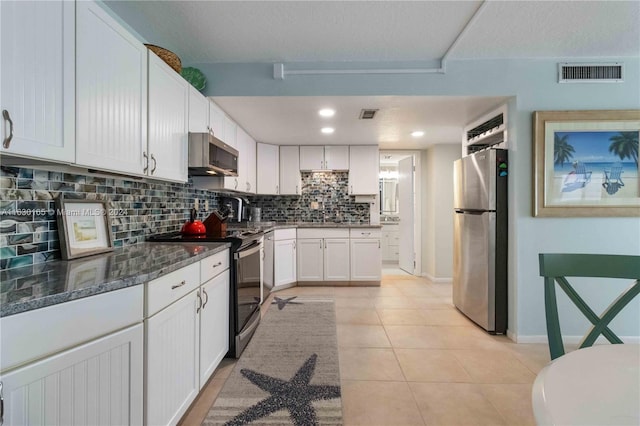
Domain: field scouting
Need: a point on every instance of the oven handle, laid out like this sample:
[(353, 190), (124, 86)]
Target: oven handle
[(248, 251)]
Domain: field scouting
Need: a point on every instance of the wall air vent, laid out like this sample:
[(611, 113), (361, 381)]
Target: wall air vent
[(488, 131), (368, 114), (590, 73)]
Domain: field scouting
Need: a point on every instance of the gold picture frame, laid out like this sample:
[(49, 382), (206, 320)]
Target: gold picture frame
[(84, 227), (586, 163)]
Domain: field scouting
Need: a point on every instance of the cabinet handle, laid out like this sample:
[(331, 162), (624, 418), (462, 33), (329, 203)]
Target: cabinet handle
[(236, 184), (365, 233), (277, 189), (294, 244), (207, 298), (199, 303), (217, 264), (296, 189), (155, 164), (183, 282), (352, 189), (378, 243), (146, 162), (1, 405), (7, 140)]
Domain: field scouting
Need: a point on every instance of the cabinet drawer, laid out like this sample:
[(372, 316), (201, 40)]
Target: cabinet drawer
[(213, 265), (284, 234), (165, 290), (394, 239), (365, 233), (31, 335), (323, 233)]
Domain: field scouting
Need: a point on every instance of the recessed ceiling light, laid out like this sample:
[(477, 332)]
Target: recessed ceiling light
[(417, 133), (327, 112), (327, 130)]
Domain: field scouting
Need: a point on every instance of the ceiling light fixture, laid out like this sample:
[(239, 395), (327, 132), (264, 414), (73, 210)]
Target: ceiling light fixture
[(327, 112), (327, 130), (417, 133)]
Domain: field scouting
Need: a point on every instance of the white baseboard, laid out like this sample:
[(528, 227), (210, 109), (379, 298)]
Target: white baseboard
[(436, 280), (571, 340)]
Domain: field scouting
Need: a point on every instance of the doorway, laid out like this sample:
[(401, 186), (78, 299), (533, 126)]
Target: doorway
[(400, 212)]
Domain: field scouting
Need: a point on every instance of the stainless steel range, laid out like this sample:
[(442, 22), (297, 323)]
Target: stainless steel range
[(246, 291)]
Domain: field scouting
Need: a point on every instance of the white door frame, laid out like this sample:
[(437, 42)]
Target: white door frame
[(417, 204)]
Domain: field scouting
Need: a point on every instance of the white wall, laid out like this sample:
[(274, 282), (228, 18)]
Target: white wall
[(534, 86), (437, 205)]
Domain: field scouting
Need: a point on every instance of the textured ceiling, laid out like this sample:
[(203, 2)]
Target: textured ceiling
[(289, 31), (377, 32)]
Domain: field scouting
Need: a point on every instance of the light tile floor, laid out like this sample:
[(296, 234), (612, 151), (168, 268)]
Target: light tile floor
[(408, 357)]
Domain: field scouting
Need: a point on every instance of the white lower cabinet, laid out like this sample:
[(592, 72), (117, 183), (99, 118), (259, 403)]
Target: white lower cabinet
[(186, 335), (214, 337), (366, 262), (284, 257), (172, 379), (99, 382), (323, 254)]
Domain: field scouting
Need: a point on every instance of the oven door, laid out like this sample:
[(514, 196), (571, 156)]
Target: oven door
[(249, 282)]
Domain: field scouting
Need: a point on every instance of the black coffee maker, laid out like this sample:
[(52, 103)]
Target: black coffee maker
[(237, 209)]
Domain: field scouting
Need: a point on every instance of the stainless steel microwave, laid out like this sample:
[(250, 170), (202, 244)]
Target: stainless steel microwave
[(209, 156)]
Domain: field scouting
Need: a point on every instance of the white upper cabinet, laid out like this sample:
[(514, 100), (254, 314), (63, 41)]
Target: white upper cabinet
[(250, 155), (216, 120), (37, 79), (198, 111), (336, 157), (311, 158), (268, 169), (290, 178), (230, 128), (363, 170), (168, 122), (111, 93), (324, 157)]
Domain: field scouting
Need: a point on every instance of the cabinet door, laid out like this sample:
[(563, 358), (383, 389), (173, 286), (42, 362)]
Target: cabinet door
[(336, 157), (268, 169), (168, 121), (216, 120), (111, 93), (230, 129), (336, 259), (365, 260), (363, 170), (310, 259), (312, 158), (37, 78), (290, 178), (238, 183), (214, 325), (284, 253), (251, 165), (99, 382), (172, 361), (198, 111)]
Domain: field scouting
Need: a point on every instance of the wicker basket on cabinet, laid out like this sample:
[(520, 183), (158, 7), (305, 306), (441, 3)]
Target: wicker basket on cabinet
[(167, 56)]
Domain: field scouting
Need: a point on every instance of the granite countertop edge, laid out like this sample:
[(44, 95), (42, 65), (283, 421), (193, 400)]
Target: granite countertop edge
[(135, 277), (270, 226)]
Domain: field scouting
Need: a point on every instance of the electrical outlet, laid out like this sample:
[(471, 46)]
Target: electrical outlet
[(196, 204), (206, 205), (314, 205)]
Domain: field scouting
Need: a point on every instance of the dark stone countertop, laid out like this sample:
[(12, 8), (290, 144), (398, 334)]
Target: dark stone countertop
[(37, 286), (270, 226)]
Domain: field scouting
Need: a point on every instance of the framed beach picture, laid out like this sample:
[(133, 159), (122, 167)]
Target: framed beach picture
[(586, 163), (84, 227)]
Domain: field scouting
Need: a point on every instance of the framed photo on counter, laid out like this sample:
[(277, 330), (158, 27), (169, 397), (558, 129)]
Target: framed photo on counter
[(586, 163), (84, 227)]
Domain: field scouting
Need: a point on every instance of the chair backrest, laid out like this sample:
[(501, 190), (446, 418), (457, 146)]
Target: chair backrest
[(556, 267), (580, 168), (616, 171)]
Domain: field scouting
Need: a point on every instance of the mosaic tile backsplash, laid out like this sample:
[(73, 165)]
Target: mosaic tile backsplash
[(324, 198), (28, 228)]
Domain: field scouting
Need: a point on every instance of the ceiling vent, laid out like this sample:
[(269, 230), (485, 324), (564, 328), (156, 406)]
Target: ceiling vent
[(590, 73), (368, 114)]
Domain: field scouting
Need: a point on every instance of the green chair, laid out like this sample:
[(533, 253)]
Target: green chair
[(556, 267)]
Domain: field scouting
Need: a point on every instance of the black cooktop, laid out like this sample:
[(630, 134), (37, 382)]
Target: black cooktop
[(237, 238)]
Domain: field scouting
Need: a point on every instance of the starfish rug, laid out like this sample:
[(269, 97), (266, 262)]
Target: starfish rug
[(288, 374)]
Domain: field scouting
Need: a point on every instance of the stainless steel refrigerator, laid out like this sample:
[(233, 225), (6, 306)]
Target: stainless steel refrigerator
[(480, 238)]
